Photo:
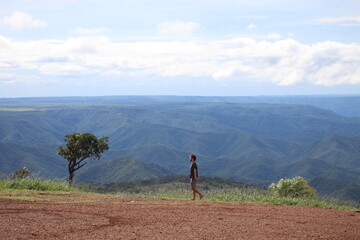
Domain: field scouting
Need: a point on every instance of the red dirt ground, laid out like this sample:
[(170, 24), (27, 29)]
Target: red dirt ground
[(80, 216)]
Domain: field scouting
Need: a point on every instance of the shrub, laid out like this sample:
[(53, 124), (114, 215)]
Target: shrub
[(295, 187), (22, 173)]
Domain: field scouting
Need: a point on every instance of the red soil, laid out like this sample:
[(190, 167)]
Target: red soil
[(79, 216)]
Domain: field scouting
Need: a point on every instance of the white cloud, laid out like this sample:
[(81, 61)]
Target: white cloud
[(282, 62), (251, 26), (343, 21), (26, 80), (177, 28), (113, 73), (61, 69), (7, 75), (91, 31), (20, 20), (256, 17), (272, 36)]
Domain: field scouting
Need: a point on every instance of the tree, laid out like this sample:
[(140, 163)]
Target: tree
[(79, 147)]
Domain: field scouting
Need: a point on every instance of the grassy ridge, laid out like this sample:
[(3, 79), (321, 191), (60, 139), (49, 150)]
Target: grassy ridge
[(214, 189), (219, 192), (243, 195), (36, 184)]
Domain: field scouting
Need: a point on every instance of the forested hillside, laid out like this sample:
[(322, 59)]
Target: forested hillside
[(250, 142)]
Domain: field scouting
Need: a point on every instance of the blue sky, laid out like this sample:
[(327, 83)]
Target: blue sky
[(213, 47)]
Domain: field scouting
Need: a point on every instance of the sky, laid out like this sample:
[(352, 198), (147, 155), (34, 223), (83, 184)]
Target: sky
[(179, 47)]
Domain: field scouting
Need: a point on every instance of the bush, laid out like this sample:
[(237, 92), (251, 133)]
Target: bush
[(22, 173), (295, 187)]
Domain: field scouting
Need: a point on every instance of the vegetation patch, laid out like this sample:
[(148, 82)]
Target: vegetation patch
[(295, 187), (214, 189), (243, 195), (36, 184), (174, 187)]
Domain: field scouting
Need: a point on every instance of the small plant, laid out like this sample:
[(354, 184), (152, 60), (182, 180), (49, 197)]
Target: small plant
[(21, 174), (295, 187)]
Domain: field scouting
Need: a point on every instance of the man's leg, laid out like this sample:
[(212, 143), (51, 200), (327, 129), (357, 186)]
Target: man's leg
[(198, 192)]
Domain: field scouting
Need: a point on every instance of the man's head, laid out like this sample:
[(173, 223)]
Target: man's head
[(192, 157)]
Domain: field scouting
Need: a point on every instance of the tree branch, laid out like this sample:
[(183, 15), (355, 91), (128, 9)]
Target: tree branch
[(80, 166)]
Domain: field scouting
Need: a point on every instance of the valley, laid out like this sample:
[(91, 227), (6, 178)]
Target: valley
[(253, 142)]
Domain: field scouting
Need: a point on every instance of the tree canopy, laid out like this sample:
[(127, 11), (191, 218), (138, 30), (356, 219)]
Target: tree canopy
[(79, 147)]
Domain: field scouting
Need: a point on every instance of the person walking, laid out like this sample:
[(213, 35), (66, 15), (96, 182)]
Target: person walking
[(194, 175)]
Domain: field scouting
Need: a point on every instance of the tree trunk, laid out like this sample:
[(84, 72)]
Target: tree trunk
[(71, 173), (71, 176)]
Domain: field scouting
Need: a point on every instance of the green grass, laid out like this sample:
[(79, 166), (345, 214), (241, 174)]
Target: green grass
[(34, 189), (232, 194), (36, 184), (173, 190)]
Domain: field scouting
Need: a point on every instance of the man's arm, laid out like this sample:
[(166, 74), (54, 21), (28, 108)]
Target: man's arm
[(195, 175)]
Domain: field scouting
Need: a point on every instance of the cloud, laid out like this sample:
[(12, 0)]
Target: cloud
[(177, 28), (255, 17), (271, 36), (20, 20), (91, 31), (278, 61), (342, 21), (61, 69), (27, 80), (114, 73), (251, 26), (7, 75)]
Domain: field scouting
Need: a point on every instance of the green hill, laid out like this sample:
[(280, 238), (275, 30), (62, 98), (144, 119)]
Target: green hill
[(312, 167), (286, 122), (169, 158), (233, 144), (243, 141), (339, 189), (120, 169), (339, 151), (41, 161), (31, 128), (168, 181), (260, 168), (268, 170)]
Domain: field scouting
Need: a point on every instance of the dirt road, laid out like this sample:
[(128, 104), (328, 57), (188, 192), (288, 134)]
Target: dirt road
[(80, 216)]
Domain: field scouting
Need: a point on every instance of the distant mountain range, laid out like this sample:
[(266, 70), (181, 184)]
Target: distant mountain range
[(249, 142), (347, 105)]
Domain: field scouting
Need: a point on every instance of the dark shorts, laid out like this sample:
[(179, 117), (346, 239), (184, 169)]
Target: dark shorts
[(192, 183)]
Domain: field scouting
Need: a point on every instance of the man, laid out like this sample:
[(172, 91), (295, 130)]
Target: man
[(194, 175)]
